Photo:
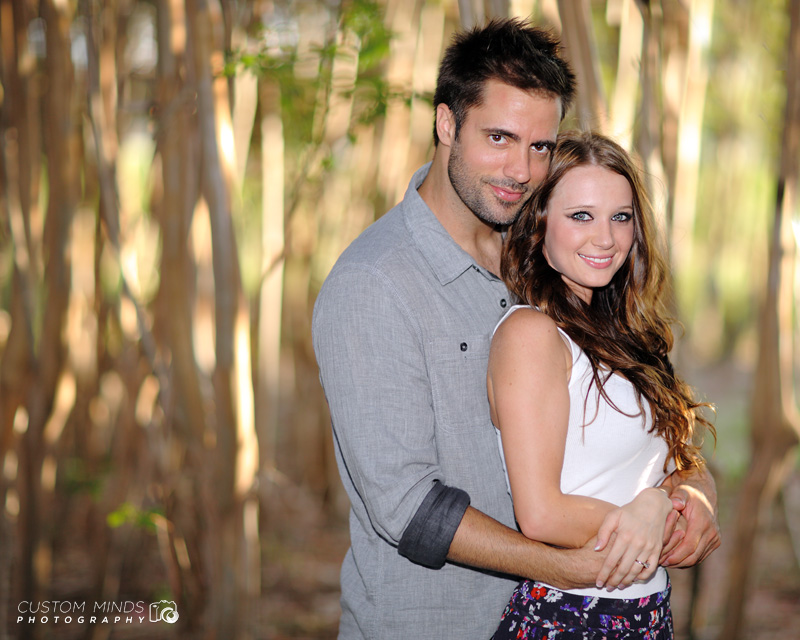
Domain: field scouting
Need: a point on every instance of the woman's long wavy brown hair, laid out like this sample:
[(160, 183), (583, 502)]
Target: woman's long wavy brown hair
[(626, 329)]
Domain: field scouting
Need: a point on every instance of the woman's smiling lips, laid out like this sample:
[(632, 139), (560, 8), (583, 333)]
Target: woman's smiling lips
[(596, 262)]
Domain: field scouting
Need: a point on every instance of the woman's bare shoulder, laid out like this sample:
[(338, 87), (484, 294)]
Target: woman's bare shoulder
[(524, 323)]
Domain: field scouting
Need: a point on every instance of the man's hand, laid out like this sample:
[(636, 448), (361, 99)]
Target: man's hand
[(578, 568), (694, 495), (676, 534)]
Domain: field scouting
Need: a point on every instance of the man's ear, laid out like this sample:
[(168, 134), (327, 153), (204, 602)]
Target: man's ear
[(445, 124)]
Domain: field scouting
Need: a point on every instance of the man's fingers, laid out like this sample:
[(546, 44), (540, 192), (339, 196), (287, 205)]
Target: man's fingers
[(688, 554), (679, 499), (669, 527), (673, 543)]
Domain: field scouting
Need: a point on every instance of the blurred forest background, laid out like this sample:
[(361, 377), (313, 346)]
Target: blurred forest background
[(176, 179)]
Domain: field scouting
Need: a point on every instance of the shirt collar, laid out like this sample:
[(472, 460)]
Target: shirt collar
[(447, 260)]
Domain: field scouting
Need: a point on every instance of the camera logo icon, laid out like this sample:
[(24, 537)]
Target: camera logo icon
[(164, 610)]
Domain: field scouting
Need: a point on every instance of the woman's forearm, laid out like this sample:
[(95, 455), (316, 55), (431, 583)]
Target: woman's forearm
[(563, 520)]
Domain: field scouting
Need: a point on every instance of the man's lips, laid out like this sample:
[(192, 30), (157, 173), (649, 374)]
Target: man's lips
[(507, 195)]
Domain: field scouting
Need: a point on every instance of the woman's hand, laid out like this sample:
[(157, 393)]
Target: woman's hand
[(635, 532)]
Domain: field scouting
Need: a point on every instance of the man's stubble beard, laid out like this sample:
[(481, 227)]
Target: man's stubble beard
[(470, 189)]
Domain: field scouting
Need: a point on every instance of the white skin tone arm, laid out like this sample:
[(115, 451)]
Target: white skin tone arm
[(529, 367)]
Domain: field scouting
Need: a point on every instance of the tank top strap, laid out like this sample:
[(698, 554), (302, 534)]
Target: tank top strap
[(574, 349)]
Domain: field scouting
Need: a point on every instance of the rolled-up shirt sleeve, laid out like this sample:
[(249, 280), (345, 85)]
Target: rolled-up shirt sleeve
[(372, 367), (427, 538)]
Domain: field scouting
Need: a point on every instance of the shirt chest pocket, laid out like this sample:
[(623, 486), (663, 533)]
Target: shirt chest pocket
[(457, 369)]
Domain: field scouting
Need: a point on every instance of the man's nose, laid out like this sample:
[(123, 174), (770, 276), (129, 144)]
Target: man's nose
[(518, 165)]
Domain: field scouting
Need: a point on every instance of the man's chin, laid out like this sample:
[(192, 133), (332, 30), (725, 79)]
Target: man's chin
[(501, 219)]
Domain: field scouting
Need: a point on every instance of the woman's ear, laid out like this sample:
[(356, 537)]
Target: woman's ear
[(445, 125)]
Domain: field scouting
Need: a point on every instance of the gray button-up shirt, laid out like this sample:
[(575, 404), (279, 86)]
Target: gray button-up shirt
[(401, 331)]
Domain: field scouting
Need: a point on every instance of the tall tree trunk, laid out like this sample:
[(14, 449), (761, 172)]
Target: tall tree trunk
[(775, 426), (624, 102), (690, 120), (19, 176), (185, 421), (580, 50), (270, 295), (648, 136), (62, 146), (471, 13), (223, 541), (19, 141), (402, 18)]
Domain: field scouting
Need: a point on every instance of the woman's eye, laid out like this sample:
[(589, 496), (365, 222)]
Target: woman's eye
[(622, 217), (581, 216)]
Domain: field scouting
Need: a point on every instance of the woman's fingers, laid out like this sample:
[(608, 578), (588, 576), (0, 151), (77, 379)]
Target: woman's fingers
[(607, 529), (627, 562), (609, 565)]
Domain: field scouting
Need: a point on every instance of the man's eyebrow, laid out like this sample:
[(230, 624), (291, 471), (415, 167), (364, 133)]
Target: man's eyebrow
[(502, 132)]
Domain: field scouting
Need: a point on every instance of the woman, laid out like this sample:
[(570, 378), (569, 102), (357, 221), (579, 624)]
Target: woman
[(589, 411)]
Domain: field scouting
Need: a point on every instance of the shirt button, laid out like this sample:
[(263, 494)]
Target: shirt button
[(463, 346), (503, 303)]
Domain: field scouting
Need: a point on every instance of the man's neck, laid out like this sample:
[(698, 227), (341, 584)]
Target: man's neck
[(479, 239)]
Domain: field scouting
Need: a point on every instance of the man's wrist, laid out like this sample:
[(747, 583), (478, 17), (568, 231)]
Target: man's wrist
[(566, 568), (575, 568)]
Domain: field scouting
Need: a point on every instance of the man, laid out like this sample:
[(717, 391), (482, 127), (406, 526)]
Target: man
[(402, 330)]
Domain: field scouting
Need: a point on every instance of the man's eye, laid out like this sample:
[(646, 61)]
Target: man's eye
[(542, 147), (497, 138)]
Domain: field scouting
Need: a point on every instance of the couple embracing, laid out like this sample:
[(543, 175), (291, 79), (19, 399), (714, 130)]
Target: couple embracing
[(502, 333)]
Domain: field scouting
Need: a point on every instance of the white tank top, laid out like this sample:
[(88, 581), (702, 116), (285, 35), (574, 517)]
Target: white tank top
[(608, 455)]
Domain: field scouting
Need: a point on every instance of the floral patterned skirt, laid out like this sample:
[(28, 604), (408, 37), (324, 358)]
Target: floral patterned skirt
[(537, 612)]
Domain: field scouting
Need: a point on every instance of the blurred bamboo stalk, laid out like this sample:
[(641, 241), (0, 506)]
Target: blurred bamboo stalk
[(62, 150), (627, 15), (222, 539), (245, 107), (579, 47), (652, 143), (690, 123), (180, 433), (775, 423), (402, 17), (471, 13), (270, 295), (17, 198)]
